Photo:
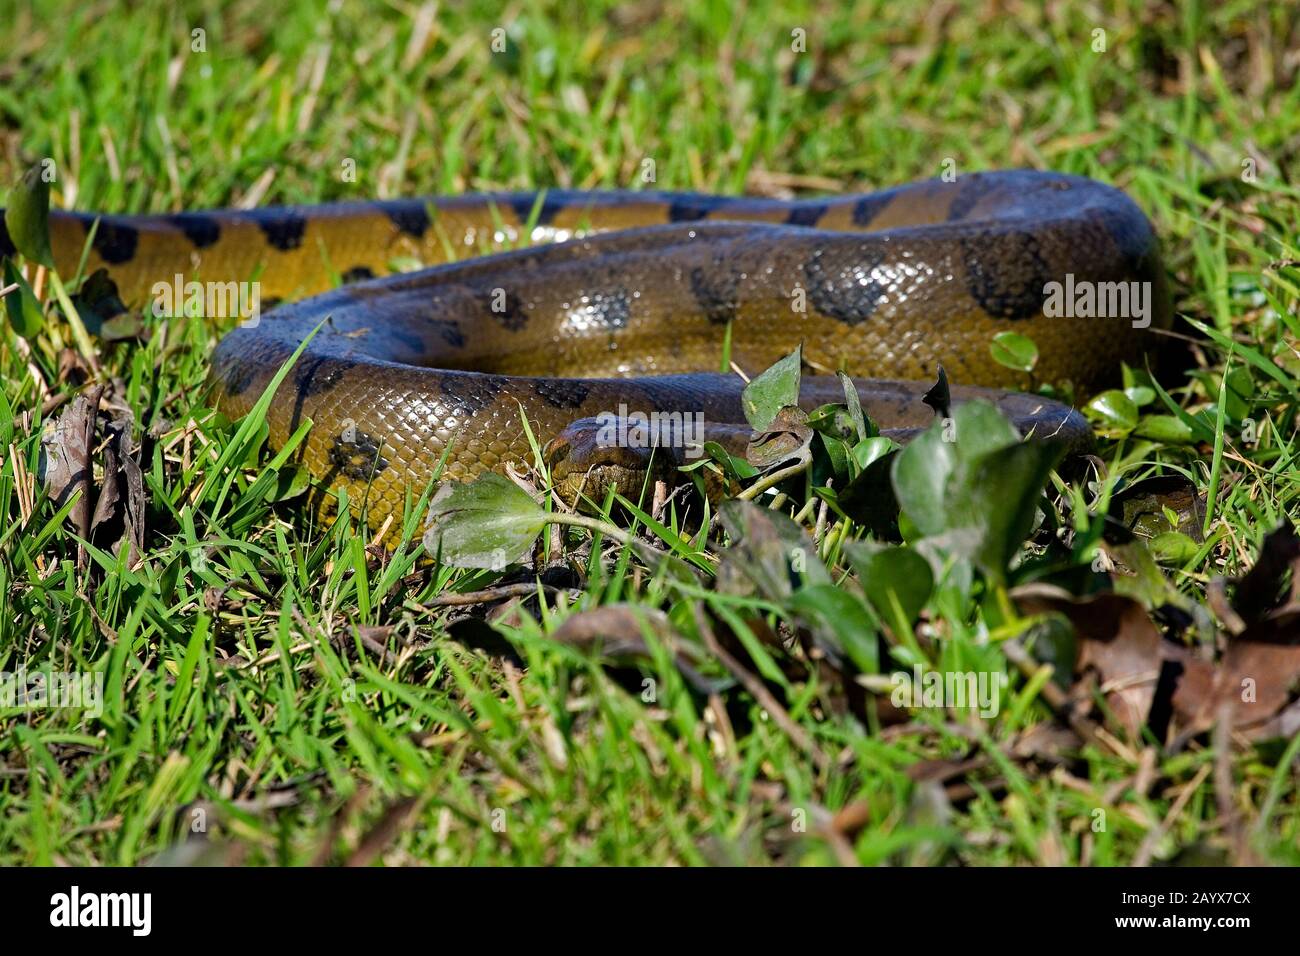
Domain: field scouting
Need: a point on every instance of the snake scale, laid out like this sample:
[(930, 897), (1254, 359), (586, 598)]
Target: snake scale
[(626, 300)]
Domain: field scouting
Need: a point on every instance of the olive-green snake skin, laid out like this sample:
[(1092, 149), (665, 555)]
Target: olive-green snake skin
[(629, 308)]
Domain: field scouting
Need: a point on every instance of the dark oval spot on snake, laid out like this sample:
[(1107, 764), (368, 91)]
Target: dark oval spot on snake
[(868, 208), (409, 216), (357, 274), (974, 187), (715, 289), (316, 377), (688, 208), (506, 307), (115, 241), (562, 392), (607, 309), (412, 342), (283, 228), (1006, 273), (449, 331), (357, 454), (849, 293), (806, 214), (200, 229), (470, 392)]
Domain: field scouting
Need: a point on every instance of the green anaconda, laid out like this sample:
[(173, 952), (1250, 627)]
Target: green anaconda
[(628, 307)]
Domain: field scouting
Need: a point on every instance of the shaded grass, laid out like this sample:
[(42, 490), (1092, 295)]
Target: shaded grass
[(322, 749)]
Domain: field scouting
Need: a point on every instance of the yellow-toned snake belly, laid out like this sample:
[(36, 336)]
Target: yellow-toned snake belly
[(630, 305)]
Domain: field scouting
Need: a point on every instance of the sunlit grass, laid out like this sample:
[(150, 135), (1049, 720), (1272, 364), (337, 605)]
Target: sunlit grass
[(247, 700)]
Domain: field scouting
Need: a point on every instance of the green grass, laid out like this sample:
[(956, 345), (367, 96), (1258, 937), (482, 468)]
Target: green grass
[(245, 692)]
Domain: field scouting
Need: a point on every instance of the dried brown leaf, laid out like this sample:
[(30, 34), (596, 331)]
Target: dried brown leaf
[(65, 458), (619, 632), (1116, 640)]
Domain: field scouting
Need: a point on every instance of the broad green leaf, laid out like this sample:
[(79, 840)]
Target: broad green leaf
[(837, 617), (1140, 395), (1250, 355), (772, 391), (291, 481), (27, 217), (1240, 391), (833, 420), (869, 498), (25, 313), (1173, 547), (836, 459), (1114, 412), (1165, 428), (715, 452), (853, 402), (486, 523), (1199, 426), (893, 576), (973, 486), (872, 449), (1014, 351), (992, 501), (922, 469), (920, 478)]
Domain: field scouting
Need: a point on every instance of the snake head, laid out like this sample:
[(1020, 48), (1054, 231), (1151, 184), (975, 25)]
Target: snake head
[(583, 462)]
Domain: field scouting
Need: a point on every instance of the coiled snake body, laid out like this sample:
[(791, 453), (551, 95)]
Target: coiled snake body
[(632, 309)]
